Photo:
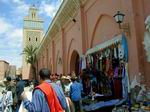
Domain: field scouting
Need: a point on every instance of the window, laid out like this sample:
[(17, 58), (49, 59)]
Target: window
[(29, 39), (33, 15), (36, 39)]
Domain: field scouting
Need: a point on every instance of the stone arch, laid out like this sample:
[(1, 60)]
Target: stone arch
[(108, 18), (74, 62), (71, 48), (58, 63), (68, 57)]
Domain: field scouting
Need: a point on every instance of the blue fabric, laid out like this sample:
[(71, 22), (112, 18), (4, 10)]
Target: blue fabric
[(100, 105), (60, 95), (75, 91), (39, 103), (125, 46)]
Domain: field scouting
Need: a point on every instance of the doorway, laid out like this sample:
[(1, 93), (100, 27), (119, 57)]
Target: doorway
[(74, 62)]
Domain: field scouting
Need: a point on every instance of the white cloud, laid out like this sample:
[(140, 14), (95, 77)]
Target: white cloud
[(17, 33), (50, 9), (11, 26), (11, 1), (4, 26), (19, 11), (18, 1), (10, 42)]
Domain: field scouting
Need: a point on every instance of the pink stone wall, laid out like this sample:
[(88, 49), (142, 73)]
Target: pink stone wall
[(94, 25), (73, 40), (58, 54)]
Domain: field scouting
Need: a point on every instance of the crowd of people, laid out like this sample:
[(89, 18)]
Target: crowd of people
[(52, 93)]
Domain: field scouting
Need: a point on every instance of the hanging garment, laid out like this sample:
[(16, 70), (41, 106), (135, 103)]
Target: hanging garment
[(147, 44), (100, 62), (88, 61), (97, 66), (92, 61), (80, 65), (83, 62), (116, 71), (125, 47), (124, 84), (120, 52), (117, 87), (104, 64), (115, 53), (107, 64), (115, 63)]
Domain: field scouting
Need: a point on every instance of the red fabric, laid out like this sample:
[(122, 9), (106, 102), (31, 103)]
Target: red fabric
[(117, 88), (50, 94)]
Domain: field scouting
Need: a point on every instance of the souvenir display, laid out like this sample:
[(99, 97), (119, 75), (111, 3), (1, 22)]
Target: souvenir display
[(106, 71), (108, 66)]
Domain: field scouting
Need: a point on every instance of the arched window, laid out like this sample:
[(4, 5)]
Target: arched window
[(29, 39)]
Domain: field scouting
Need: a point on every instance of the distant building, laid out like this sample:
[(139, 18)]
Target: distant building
[(32, 35), (12, 70), (19, 72), (4, 69)]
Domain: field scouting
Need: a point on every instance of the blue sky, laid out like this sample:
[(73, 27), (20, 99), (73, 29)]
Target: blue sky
[(12, 13)]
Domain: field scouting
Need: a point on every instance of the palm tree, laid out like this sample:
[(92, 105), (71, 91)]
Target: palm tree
[(31, 57)]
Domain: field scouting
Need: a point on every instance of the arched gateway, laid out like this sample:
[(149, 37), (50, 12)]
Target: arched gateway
[(74, 62)]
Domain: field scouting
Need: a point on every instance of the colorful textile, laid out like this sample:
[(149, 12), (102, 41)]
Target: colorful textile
[(83, 63), (125, 46), (100, 105)]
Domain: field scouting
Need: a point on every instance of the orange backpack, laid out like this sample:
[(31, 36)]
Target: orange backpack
[(50, 94)]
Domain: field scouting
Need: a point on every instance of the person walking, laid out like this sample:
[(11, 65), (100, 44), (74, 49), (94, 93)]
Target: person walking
[(6, 101), (11, 86), (47, 97), (75, 93), (20, 84)]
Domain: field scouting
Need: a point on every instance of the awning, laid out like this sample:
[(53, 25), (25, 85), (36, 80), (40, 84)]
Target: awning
[(104, 44)]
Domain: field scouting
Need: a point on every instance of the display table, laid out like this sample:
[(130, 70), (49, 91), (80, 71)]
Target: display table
[(98, 106)]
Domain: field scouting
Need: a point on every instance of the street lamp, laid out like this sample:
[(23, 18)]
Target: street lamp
[(119, 17)]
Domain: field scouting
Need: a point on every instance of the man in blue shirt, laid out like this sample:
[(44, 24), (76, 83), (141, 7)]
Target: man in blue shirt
[(39, 102), (75, 93)]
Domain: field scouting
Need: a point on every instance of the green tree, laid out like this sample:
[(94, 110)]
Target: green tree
[(31, 57)]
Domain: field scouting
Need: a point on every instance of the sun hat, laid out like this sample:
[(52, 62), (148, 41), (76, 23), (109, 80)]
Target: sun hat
[(66, 77), (63, 77)]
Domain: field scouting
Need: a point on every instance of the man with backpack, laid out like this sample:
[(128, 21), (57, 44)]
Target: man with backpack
[(47, 97)]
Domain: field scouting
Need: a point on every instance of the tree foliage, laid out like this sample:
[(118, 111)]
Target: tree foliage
[(30, 52), (31, 57)]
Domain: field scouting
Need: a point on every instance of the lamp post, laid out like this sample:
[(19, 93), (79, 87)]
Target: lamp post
[(119, 17)]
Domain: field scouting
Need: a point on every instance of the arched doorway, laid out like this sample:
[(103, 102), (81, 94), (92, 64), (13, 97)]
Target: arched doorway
[(74, 62)]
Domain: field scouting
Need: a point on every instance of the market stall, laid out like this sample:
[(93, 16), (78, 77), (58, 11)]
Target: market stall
[(105, 74)]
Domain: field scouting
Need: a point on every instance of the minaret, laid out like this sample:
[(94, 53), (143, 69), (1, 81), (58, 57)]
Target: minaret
[(32, 35)]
